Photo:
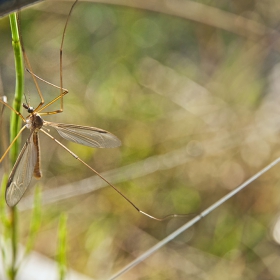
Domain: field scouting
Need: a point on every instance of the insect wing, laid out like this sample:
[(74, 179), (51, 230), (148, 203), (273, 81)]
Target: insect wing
[(22, 172), (86, 135)]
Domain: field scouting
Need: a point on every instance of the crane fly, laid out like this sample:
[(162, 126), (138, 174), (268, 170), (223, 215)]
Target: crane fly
[(28, 163)]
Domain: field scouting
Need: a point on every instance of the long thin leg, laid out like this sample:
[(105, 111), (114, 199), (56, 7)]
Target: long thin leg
[(4, 99), (29, 71), (11, 108), (98, 174), (3, 139), (60, 55), (28, 65), (53, 101), (8, 149), (64, 92)]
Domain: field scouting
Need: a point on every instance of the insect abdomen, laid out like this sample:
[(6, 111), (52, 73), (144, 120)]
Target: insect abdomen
[(37, 169)]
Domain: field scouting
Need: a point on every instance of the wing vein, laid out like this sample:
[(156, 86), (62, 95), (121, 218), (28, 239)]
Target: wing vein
[(86, 135), (22, 172)]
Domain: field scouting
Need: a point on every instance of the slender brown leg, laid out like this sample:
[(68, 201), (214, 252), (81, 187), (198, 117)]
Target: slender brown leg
[(60, 55), (64, 92), (8, 149), (111, 185), (28, 65), (11, 108)]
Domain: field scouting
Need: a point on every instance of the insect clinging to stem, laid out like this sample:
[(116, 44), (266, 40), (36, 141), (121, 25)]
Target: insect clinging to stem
[(28, 164)]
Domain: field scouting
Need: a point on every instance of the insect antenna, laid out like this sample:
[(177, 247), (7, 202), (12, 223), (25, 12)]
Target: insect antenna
[(25, 97)]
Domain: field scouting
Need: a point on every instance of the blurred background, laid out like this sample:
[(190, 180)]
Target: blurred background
[(191, 89)]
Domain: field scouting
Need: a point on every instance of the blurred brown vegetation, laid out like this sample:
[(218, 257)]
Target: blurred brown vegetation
[(196, 107)]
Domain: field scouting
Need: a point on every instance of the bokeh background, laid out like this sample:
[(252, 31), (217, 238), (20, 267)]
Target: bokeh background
[(192, 90)]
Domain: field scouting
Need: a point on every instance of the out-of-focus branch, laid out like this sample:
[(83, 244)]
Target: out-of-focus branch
[(197, 12)]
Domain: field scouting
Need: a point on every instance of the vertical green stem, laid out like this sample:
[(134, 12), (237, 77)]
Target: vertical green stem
[(19, 67), (14, 129), (62, 250)]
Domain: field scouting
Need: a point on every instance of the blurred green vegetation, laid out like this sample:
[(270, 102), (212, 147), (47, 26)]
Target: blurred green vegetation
[(162, 84)]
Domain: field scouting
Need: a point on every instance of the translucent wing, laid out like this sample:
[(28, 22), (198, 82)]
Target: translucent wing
[(86, 135), (22, 172)]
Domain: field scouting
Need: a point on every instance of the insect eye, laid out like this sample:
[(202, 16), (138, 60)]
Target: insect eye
[(30, 110)]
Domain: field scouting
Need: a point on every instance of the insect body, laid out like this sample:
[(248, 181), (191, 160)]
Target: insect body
[(28, 161)]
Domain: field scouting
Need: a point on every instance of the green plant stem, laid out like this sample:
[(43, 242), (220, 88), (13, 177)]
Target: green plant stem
[(14, 129), (61, 250), (19, 67)]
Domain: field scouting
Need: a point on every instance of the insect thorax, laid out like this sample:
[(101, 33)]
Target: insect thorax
[(34, 121)]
